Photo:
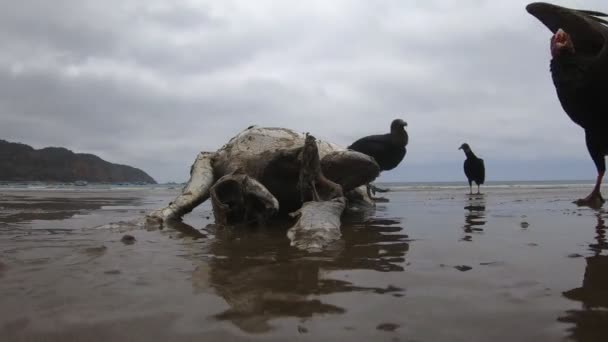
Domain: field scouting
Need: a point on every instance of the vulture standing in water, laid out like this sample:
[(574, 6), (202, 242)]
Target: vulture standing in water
[(387, 149), (473, 168), (579, 68)]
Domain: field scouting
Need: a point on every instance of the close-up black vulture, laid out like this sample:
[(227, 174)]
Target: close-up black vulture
[(387, 149), (579, 68), (474, 168)]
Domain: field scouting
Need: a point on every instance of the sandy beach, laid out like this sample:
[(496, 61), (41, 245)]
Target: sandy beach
[(517, 263)]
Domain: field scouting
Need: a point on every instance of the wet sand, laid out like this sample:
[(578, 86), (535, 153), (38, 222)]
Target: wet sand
[(514, 264)]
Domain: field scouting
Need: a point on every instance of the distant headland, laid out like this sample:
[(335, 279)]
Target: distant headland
[(22, 163)]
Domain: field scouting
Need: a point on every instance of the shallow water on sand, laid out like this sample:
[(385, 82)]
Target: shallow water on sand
[(433, 264)]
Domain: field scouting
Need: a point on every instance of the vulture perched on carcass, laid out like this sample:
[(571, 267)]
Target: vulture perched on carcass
[(388, 150)]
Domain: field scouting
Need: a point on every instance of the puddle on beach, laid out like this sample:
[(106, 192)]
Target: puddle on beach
[(433, 265)]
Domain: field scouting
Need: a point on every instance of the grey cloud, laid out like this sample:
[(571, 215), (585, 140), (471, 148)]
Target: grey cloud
[(151, 83)]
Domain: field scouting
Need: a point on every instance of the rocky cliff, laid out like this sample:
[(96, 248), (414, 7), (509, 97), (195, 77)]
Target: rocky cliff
[(20, 162)]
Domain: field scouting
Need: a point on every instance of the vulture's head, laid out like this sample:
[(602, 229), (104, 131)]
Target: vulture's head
[(561, 42), (398, 124), (398, 133), (465, 147), (574, 31)]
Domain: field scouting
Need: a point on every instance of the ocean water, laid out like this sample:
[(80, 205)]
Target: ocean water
[(534, 184), (394, 186)]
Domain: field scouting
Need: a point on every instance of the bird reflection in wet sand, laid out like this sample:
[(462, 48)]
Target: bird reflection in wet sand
[(261, 278), (591, 321), (474, 216)]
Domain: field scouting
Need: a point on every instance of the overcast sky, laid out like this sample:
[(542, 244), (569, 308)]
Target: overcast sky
[(151, 83)]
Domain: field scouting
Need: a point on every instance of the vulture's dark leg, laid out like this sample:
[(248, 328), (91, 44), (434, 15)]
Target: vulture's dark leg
[(478, 189), (377, 189), (368, 187), (470, 187), (371, 189), (595, 199)]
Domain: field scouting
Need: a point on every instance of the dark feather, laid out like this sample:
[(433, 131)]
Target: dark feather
[(593, 13), (380, 147), (474, 169), (599, 20)]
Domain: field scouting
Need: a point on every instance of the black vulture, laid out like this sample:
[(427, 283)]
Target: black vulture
[(579, 68), (387, 149), (473, 168)]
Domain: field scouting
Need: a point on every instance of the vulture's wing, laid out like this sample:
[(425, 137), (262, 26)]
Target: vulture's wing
[(588, 29)]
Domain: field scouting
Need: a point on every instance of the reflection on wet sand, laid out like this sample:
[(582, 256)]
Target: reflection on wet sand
[(17, 209), (474, 217), (261, 278), (591, 321), (185, 229)]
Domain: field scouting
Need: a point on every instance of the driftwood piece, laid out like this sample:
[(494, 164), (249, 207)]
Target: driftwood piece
[(194, 193), (318, 225)]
